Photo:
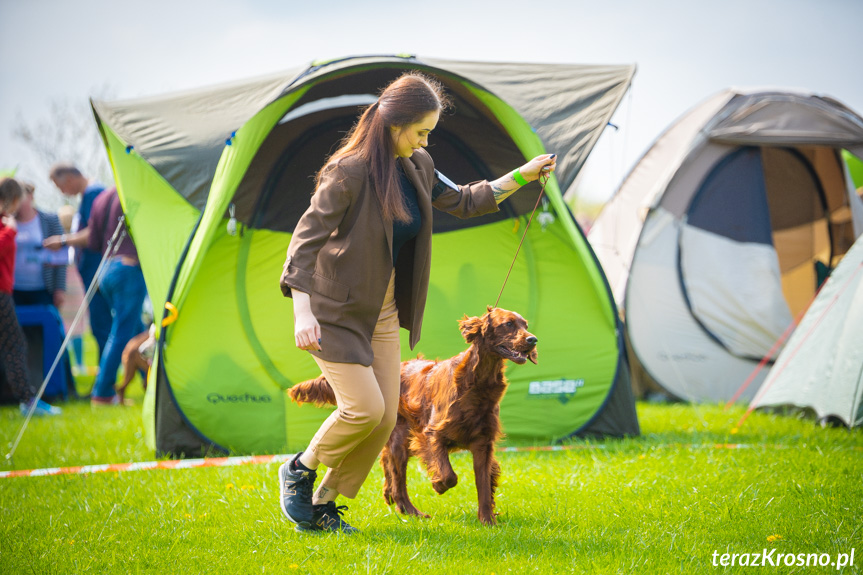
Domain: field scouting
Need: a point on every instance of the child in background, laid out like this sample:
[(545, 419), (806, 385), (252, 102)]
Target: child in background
[(13, 347)]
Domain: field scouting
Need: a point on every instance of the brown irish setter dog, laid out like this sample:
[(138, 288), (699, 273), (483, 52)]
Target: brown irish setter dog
[(133, 361), (447, 405)]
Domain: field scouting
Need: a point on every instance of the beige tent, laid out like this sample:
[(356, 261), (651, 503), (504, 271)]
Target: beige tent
[(718, 237)]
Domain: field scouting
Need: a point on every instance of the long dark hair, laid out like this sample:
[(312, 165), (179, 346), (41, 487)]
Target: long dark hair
[(10, 190), (404, 101)]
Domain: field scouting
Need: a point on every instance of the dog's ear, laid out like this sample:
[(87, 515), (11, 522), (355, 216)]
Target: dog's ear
[(471, 328), (532, 356)]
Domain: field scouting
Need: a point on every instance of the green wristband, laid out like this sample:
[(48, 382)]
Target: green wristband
[(519, 179)]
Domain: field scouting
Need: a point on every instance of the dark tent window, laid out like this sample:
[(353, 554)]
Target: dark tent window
[(754, 192), (468, 144), (732, 201)]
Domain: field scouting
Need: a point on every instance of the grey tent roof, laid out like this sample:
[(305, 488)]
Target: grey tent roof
[(774, 118), (183, 135)]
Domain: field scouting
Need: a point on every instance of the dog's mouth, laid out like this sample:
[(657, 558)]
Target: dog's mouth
[(516, 356)]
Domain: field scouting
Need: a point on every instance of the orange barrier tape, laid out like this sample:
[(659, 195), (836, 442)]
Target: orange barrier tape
[(260, 459), (167, 464)]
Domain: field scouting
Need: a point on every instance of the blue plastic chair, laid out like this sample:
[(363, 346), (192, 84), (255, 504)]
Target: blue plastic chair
[(53, 333)]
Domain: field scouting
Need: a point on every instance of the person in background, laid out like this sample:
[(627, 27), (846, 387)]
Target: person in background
[(122, 285), (13, 346), (72, 183), (40, 276)]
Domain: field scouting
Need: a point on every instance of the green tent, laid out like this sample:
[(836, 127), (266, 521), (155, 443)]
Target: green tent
[(855, 168), (185, 163)]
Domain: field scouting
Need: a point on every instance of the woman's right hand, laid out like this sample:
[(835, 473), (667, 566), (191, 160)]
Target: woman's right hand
[(307, 330), (539, 166)]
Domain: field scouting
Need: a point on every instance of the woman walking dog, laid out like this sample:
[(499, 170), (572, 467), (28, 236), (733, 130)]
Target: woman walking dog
[(357, 268)]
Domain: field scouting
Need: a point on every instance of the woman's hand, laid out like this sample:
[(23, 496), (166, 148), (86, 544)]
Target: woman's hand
[(9, 221), (307, 330), (505, 186), (53, 243), (540, 165)]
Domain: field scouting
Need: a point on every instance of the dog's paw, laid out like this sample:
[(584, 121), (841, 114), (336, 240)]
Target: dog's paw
[(489, 520), (442, 485), (409, 509)]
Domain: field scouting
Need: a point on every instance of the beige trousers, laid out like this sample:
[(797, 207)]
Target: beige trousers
[(352, 437)]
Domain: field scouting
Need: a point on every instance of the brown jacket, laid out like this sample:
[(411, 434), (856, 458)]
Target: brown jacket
[(341, 253)]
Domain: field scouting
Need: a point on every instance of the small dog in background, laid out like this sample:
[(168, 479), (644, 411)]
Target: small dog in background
[(137, 357), (447, 405)]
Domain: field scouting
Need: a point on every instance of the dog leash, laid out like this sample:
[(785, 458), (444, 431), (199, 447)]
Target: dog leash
[(543, 181)]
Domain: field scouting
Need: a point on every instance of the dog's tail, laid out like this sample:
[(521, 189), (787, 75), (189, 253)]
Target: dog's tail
[(317, 391)]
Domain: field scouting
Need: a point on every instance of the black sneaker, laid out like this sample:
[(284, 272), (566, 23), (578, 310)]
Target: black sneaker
[(327, 517), (295, 490)]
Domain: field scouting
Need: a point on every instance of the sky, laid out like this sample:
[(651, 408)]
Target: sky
[(61, 51)]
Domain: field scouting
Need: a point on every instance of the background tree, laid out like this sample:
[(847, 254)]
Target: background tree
[(67, 133)]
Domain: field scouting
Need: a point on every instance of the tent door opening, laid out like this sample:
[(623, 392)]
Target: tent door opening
[(749, 254)]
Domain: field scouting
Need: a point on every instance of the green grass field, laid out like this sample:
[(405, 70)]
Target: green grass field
[(664, 502)]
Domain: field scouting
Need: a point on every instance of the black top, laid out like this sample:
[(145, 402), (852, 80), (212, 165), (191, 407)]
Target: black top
[(403, 232)]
